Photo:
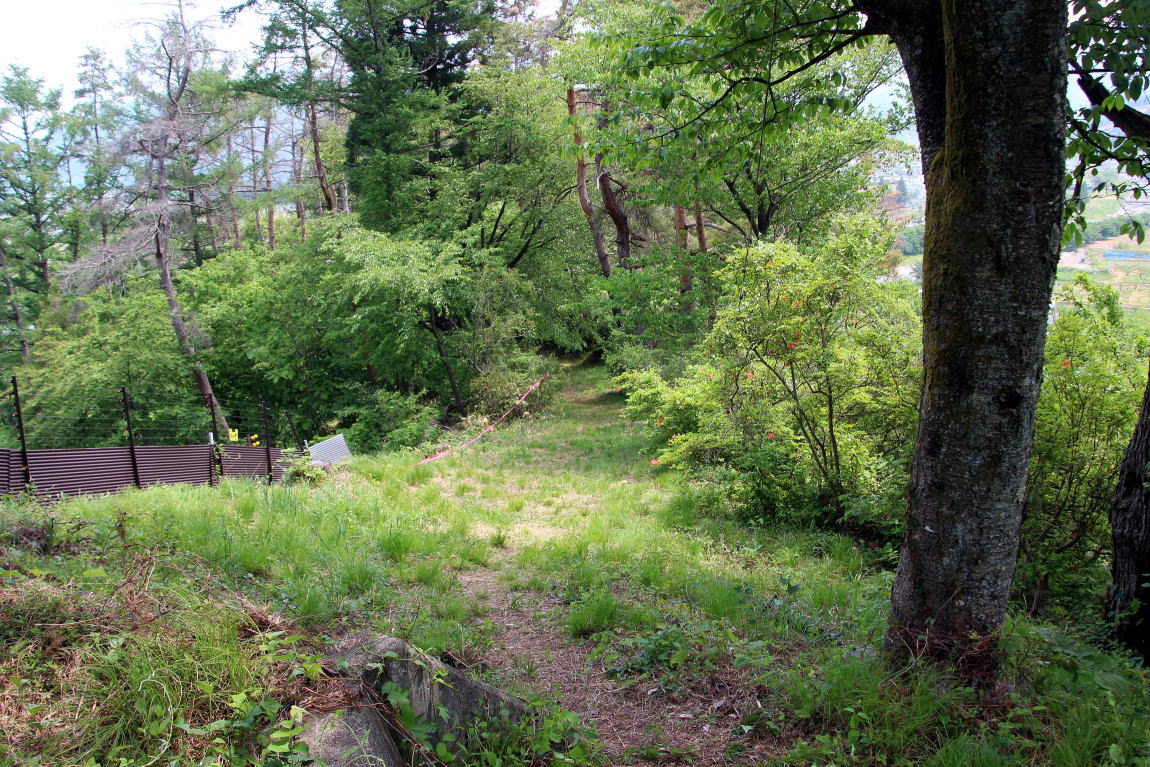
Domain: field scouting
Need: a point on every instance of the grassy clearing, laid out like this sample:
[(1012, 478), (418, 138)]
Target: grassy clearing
[(160, 605)]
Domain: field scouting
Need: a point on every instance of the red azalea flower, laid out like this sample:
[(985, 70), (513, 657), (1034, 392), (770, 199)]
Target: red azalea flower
[(791, 345), (1065, 363), (749, 374), (655, 461), (770, 435)]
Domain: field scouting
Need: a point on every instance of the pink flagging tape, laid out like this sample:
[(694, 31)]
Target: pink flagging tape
[(475, 439)]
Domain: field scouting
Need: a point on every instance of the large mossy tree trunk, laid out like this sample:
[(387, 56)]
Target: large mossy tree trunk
[(1129, 603), (988, 78)]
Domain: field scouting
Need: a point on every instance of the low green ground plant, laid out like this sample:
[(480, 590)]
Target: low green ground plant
[(134, 662)]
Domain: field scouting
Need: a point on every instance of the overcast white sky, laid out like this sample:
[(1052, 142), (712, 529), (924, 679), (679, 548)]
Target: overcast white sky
[(48, 36)]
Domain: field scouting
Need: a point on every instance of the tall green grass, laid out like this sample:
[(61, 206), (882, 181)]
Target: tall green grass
[(317, 552)]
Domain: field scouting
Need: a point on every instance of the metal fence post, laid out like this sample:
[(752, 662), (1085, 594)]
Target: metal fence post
[(211, 459), (267, 440), (211, 402), (23, 438), (213, 440), (131, 437)]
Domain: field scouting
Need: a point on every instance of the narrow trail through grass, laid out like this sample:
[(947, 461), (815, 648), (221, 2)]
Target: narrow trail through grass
[(606, 589), (581, 466)]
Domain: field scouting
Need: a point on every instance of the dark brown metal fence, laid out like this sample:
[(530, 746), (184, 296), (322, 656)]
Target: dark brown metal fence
[(87, 470), (252, 462)]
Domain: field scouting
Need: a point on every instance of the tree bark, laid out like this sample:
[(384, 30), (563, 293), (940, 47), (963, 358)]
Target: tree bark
[(1129, 602), (255, 181), (700, 229), (915, 28), (235, 215), (584, 197), (161, 240), (17, 316), (616, 213), (994, 204), (683, 244), (317, 159), (267, 163), (297, 177), (194, 215), (313, 127)]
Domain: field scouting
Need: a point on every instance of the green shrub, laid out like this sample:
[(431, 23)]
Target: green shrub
[(392, 421), (301, 470), (805, 399), (1092, 384)]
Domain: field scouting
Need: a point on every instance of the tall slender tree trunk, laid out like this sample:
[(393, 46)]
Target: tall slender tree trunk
[(235, 214), (103, 216), (988, 79), (161, 240), (42, 258), (313, 125), (194, 213), (255, 182), (14, 304), (317, 159), (297, 179), (584, 197), (1129, 603), (683, 244), (700, 229), (267, 161)]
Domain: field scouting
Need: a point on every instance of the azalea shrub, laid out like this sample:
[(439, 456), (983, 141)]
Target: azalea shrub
[(1093, 381), (803, 401)]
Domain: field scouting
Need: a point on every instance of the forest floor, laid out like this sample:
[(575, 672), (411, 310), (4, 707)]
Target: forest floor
[(554, 559)]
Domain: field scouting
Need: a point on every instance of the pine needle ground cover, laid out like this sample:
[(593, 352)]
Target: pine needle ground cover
[(187, 625)]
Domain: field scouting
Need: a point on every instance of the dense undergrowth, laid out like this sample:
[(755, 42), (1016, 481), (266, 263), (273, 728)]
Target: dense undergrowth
[(188, 624)]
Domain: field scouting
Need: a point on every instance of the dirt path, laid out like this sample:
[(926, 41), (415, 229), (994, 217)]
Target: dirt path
[(556, 478)]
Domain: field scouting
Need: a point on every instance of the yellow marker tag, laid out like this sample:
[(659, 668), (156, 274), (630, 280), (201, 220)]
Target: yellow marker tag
[(233, 435)]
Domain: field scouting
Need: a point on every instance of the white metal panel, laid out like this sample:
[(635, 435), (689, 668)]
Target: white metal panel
[(332, 450)]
